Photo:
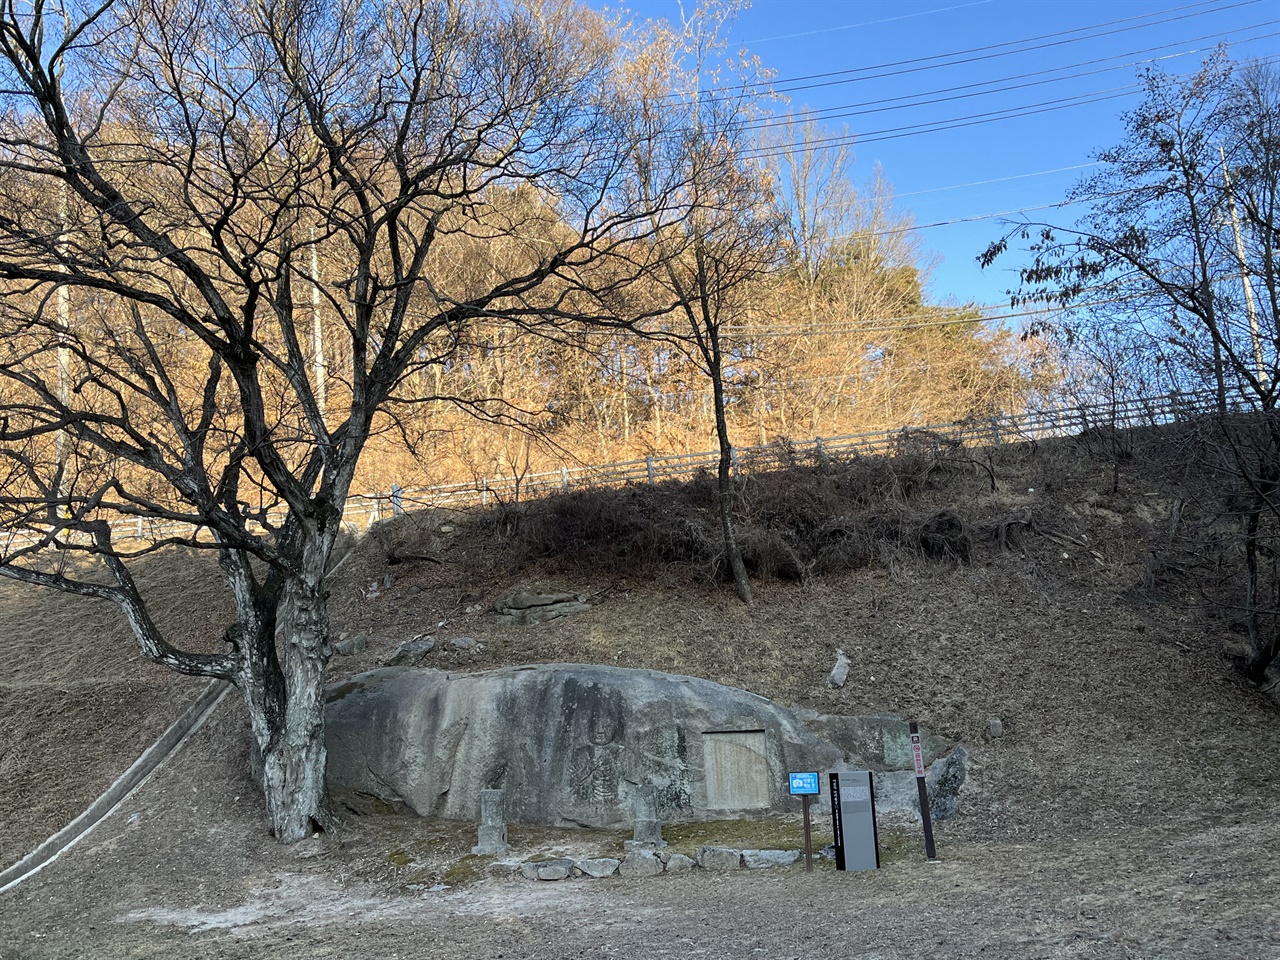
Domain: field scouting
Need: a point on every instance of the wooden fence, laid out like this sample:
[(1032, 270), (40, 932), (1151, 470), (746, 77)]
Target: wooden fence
[(364, 510)]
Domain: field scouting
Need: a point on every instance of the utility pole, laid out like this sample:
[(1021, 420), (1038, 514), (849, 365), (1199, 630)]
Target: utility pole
[(1250, 306)]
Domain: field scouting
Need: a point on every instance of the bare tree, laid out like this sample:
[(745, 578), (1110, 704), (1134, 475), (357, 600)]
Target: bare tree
[(1170, 270), (1155, 250), (706, 266), (205, 148), (817, 202)]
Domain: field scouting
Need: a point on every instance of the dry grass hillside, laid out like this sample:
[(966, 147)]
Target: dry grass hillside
[(1050, 586)]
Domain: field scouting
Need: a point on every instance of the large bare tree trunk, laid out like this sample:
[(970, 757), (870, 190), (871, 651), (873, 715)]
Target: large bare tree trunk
[(294, 761), (282, 637)]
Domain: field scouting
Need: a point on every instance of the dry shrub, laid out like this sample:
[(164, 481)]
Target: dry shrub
[(943, 535), (591, 525), (792, 523), (843, 543), (872, 480), (867, 480), (686, 540), (796, 501), (620, 529), (401, 539), (1006, 533), (699, 493), (769, 554), (1106, 442)]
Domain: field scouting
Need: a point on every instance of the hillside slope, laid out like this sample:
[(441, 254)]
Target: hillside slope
[(1117, 701)]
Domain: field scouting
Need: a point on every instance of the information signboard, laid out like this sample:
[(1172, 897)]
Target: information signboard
[(853, 816), (804, 784)]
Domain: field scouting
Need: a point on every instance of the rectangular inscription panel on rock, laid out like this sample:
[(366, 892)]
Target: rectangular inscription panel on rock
[(737, 770)]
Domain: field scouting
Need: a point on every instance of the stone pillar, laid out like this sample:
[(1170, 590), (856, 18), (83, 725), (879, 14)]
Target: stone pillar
[(492, 839), (646, 827)]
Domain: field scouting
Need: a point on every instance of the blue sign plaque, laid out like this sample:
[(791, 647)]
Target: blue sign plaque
[(804, 784)]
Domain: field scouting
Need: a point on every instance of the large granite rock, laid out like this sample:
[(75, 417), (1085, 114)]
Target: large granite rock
[(573, 744)]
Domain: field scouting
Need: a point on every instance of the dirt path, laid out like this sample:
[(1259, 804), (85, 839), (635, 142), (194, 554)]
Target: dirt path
[(1194, 898), (183, 871)]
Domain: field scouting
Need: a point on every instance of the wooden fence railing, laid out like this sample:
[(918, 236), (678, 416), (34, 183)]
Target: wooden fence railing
[(364, 510)]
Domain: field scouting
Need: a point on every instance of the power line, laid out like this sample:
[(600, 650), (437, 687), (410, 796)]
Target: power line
[(868, 23), (1015, 112), (889, 231), (977, 217), (983, 183), (932, 97), (955, 123), (958, 57)]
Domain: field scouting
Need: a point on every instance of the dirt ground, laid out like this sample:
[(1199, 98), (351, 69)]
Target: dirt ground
[(1127, 811), (188, 872)]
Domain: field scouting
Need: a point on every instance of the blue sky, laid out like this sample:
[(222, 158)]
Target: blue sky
[(1104, 39)]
